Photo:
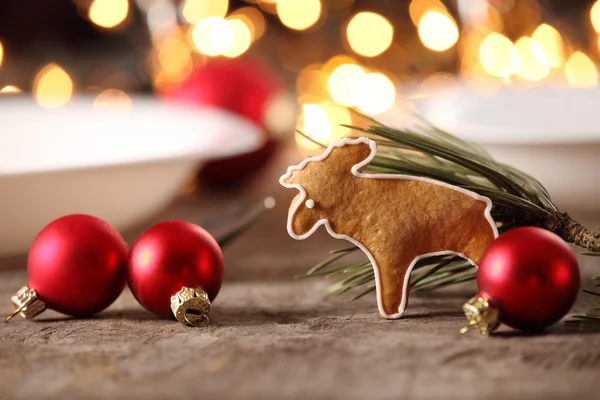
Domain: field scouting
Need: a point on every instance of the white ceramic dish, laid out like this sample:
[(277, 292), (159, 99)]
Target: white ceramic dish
[(552, 134), (119, 165)]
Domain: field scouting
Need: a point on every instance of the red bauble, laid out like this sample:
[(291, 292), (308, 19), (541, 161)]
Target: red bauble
[(240, 85), (170, 256), (77, 265), (250, 90), (531, 276)]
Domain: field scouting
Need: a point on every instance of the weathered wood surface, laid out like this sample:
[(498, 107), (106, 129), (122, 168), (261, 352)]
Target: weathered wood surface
[(273, 337)]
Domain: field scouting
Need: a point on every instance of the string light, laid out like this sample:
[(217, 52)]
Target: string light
[(530, 54), (253, 19), (595, 16), (213, 36), (343, 82), (438, 31), (108, 13), (112, 99), (369, 34), (418, 8), (195, 11), (10, 89), (498, 56), (311, 85), (375, 93), (174, 55), (299, 14), (242, 38), (552, 43), (581, 71), (323, 124), (52, 87)]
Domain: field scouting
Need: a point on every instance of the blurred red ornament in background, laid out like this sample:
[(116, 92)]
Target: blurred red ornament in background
[(249, 89), (77, 265), (531, 276), (170, 256)]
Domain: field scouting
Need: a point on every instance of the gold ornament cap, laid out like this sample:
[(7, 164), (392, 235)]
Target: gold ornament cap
[(191, 306), (27, 304), (481, 314)]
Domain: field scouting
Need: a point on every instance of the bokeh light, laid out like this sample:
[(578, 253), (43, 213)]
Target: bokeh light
[(375, 93), (580, 71), (322, 123), (418, 8), (213, 36), (108, 13), (499, 56), (174, 55), (311, 85), (530, 54), (1, 54), (343, 83), (438, 31), (299, 14), (330, 65), (552, 43), (242, 38), (112, 99), (52, 87), (252, 18), (280, 114), (369, 34), (195, 11), (595, 16), (10, 89)]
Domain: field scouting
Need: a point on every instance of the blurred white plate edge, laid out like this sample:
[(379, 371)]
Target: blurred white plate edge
[(114, 164), (552, 134)]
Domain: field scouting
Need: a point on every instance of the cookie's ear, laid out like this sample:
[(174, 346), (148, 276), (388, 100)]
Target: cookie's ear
[(293, 177), (349, 154)]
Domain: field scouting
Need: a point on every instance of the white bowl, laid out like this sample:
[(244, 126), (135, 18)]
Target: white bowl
[(552, 134), (119, 165)]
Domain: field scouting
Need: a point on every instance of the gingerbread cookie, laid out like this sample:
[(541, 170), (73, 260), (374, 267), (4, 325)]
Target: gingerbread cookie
[(394, 219)]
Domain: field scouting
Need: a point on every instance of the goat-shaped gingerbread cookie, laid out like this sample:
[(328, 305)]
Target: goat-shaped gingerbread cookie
[(394, 219)]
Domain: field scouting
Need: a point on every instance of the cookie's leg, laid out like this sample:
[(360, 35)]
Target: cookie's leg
[(394, 276), (478, 243)]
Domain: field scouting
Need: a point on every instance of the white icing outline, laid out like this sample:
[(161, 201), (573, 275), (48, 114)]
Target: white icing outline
[(356, 173), (310, 204)]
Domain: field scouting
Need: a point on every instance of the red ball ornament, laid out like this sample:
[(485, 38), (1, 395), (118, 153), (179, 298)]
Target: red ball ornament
[(248, 89), (240, 85), (76, 266), (529, 278), (175, 268)]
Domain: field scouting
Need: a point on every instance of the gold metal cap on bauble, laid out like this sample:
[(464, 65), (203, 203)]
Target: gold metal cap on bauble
[(191, 306), (480, 314), (27, 304)]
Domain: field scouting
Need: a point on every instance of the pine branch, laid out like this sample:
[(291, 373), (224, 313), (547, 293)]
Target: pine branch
[(518, 200)]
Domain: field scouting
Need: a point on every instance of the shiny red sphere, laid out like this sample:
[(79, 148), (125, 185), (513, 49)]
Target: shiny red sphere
[(240, 85), (77, 265), (245, 87), (531, 276), (169, 256)]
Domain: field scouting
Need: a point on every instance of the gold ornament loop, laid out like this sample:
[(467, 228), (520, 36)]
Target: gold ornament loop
[(481, 314), (27, 304), (191, 306)]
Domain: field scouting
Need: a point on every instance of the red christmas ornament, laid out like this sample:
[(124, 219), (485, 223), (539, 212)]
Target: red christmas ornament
[(239, 85), (248, 89), (528, 279), (175, 268), (76, 266)]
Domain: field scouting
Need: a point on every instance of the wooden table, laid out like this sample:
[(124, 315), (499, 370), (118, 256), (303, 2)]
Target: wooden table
[(273, 337)]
